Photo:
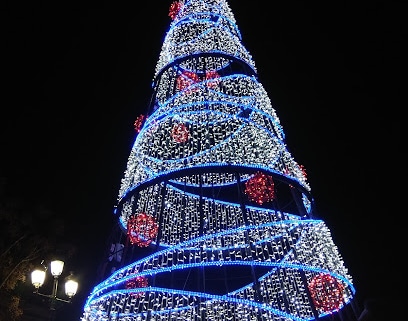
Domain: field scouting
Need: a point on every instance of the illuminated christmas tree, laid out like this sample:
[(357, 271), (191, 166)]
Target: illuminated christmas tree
[(216, 220)]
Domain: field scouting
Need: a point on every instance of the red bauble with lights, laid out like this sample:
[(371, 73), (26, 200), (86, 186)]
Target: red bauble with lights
[(213, 76), (174, 9), (326, 292), (180, 133), (137, 282), (139, 122), (260, 188), (142, 229), (186, 79)]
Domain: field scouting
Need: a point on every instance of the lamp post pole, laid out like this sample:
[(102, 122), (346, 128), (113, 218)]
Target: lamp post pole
[(38, 278), (53, 299)]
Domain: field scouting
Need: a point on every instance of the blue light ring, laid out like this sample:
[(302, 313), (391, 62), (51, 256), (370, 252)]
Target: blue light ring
[(225, 141), (135, 265), (189, 19), (201, 295), (210, 53), (178, 110), (220, 167), (225, 79)]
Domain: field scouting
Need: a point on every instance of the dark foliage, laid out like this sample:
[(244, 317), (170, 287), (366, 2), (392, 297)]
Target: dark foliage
[(26, 239)]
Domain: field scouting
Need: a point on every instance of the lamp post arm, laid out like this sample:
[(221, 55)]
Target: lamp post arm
[(53, 296), (62, 300), (44, 295)]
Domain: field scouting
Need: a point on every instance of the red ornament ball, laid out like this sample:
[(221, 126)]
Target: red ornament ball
[(138, 123), (186, 79), (174, 9), (180, 133), (326, 292), (260, 188), (137, 282), (142, 229)]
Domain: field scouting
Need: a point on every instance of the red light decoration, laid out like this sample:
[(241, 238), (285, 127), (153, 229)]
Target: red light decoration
[(260, 188), (186, 79), (142, 229), (303, 169), (212, 75), (287, 172), (174, 9), (137, 282), (326, 292), (139, 122), (180, 133)]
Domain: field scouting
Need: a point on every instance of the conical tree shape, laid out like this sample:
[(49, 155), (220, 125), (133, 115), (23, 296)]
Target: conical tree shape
[(218, 217)]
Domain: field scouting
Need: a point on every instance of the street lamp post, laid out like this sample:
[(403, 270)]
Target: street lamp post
[(38, 278)]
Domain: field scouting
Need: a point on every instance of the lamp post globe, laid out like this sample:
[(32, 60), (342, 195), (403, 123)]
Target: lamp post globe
[(56, 267), (71, 286), (38, 278)]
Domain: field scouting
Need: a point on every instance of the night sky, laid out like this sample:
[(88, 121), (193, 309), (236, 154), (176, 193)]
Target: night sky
[(77, 74)]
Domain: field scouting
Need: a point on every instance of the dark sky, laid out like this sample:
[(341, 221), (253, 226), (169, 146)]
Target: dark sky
[(77, 74)]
